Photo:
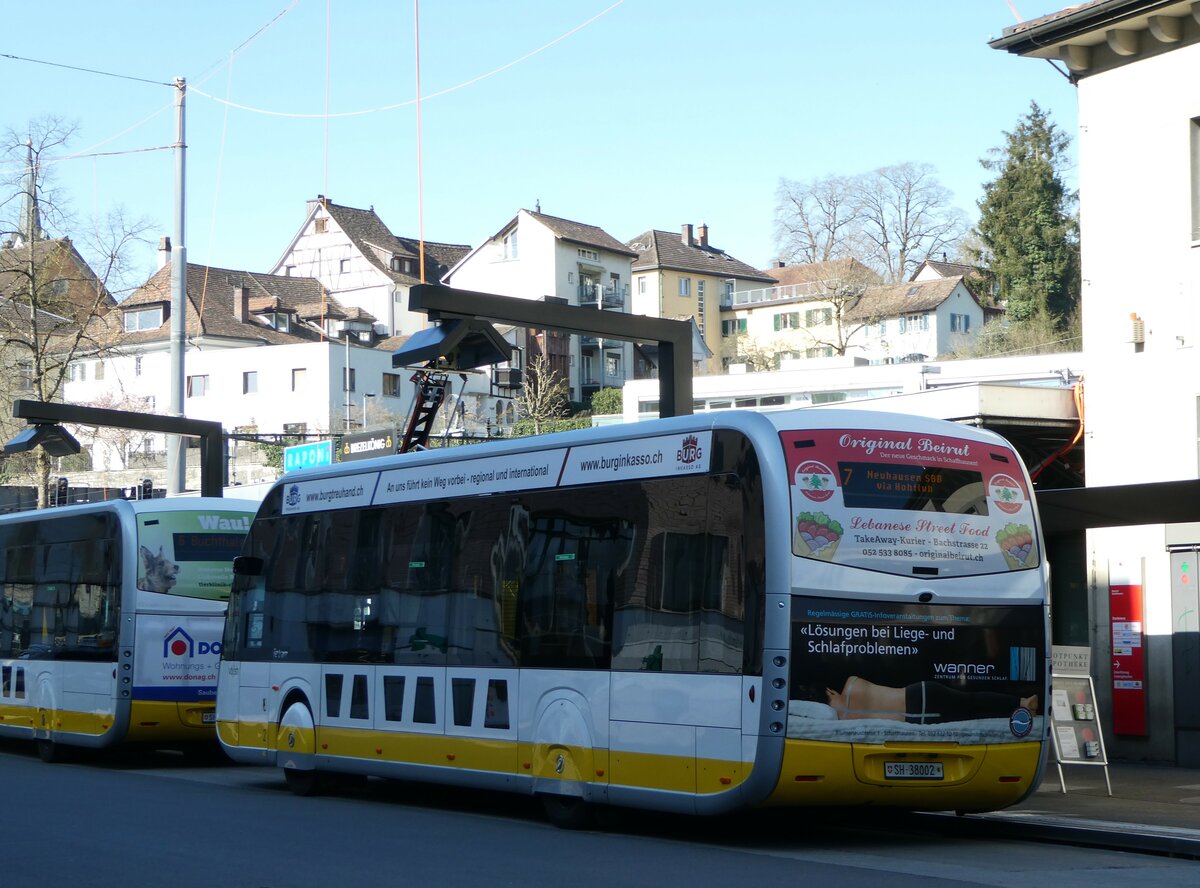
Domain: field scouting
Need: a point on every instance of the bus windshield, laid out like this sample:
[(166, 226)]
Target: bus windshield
[(189, 553), (910, 504)]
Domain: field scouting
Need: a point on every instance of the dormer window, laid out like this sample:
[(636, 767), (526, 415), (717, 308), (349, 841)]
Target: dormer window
[(143, 319), (278, 320), (396, 263)]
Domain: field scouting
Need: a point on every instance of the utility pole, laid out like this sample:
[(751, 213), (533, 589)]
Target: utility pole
[(176, 457)]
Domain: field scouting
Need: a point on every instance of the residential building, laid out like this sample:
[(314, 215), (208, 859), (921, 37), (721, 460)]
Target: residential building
[(363, 265), (273, 356), (836, 309), (683, 276), (542, 257), (1133, 64)]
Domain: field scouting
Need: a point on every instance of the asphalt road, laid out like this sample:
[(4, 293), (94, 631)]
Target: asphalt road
[(157, 819)]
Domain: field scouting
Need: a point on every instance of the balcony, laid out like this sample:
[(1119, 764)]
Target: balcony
[(596, 296), (782, 293)]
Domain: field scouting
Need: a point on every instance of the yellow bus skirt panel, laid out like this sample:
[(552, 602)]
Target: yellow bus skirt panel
[(975, 778), (168, 720)]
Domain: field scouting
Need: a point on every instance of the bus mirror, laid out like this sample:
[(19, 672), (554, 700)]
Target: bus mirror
[(247, 565)]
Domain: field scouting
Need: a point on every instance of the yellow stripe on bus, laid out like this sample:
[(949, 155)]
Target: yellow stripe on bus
[(617, 767)]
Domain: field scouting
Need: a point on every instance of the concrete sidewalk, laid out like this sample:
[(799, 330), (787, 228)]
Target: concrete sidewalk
[(1152, 808)]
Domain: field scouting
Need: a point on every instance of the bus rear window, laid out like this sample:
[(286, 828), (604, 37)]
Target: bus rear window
[(912, 488), (189, 553), (909, 503)]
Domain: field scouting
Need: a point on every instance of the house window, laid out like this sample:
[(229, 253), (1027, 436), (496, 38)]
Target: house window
[(685, 286), (1194, 150), (729, 291), (295, 429), (612, 364), (347, 379), (321, 225), (278, 320), (733, 327), (819, 352), (76, 372), (343, 265), (788, 320), (396, 263), (298, 378), (408, 266), (249, 382), (197, 386), (570, 277), (143, 319), (391, 385), (882, 328), (700, 306), (818, 317), (589, 254), (510, 245), (641, 285), (25, 376), (914, 323), (960, 323)]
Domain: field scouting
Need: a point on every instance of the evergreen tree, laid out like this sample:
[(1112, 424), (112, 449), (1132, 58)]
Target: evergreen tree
[(1028, 232)]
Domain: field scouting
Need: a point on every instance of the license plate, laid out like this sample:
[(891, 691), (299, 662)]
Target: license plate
[(208, 718), (912, 770)]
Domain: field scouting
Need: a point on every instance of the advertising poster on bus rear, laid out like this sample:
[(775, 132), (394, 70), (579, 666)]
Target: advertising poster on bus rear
[(872, 671), (177, 657), (189, 553), (909, 503)]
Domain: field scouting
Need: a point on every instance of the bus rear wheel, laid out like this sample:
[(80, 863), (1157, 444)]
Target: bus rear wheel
[(568, 812), (50, 752)]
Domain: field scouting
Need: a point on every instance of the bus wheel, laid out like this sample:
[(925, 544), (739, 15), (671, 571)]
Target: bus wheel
[(302, 783), (568, 812), (49, 751)]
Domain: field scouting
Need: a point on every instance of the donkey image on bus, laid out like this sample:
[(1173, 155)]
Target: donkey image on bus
[(816, 607)]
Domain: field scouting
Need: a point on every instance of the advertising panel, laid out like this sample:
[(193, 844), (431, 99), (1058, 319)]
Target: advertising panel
[(177, 657), (890, 500), (876, 671), (189, 553)]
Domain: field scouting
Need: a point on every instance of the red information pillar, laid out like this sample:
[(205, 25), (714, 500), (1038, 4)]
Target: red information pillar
[(1129, 658)]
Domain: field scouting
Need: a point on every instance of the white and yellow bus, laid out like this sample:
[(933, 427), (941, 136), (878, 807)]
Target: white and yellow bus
[(111, 617), (812, 607)]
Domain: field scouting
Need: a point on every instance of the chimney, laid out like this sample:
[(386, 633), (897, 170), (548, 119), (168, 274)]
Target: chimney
[(241, 304), (703, 232), (321, 201), (686, 236), (781, 264), (164, 251)]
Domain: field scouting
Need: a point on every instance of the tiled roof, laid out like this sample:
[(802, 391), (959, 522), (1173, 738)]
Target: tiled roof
[(377, 243), (947, 269), (894, 300), (55, 258), (815, 272), (666, 249), (210, 308), (578, 233)]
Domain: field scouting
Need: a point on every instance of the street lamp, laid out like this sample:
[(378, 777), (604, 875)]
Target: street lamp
[(364, 410)]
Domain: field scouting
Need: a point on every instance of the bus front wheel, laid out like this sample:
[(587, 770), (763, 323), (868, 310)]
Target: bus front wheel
[(302, 783)]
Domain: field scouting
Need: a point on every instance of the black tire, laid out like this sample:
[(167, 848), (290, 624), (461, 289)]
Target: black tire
[(569, 812), (50, 752), (302, 783)]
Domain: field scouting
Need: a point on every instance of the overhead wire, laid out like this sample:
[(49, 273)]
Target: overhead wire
[(433, 95)]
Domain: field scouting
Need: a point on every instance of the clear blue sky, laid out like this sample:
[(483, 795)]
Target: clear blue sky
[(655, 114)]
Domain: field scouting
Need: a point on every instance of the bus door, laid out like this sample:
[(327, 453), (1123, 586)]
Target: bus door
[(678, 641)]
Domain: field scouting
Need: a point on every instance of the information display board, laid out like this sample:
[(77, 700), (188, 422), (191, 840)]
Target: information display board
[(1075, 725)]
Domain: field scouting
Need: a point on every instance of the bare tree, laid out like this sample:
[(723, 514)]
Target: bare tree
[(817, 220), (906, 215), (52, 299), (545, 395), (758, 354), (833, 319)]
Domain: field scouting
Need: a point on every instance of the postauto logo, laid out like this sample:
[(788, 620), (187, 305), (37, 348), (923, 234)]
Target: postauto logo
[(177, 644)]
